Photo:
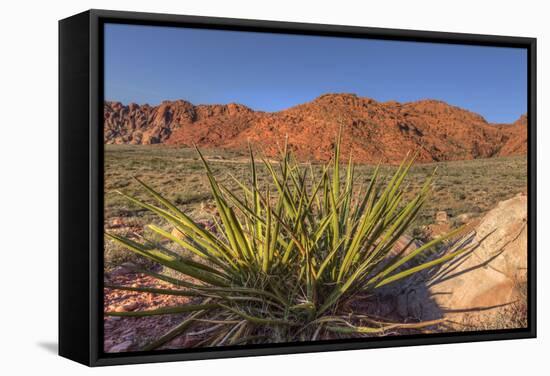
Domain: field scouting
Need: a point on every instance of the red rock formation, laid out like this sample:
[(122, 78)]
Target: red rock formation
[(516, 134), (178, 121), (373, 131)]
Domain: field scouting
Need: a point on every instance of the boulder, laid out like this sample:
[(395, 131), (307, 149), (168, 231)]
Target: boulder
[(486, 276), (476, 287), (475, 290), (502, 237)]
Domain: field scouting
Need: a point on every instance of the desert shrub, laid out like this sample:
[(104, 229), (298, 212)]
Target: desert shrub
[(284, 262)]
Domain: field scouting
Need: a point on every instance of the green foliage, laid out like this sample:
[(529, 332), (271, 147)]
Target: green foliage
[(284, 260)]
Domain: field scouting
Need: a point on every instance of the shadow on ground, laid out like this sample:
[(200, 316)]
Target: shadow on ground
[(51, 347)]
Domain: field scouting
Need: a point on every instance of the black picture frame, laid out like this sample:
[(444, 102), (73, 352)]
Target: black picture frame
[(81, 182)]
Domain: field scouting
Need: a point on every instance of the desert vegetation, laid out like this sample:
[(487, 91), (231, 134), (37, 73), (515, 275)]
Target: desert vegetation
[(285, 254), (465, 190)]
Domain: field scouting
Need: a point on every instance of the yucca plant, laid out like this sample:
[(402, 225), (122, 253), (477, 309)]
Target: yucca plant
[(284, 260)]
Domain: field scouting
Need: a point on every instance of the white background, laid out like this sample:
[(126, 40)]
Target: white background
[(28, 185)]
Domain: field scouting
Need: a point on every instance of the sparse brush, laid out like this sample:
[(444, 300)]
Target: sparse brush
[(284, 261)]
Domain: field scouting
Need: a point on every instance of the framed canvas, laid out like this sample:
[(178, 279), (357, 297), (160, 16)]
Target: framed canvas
[(238, 187)]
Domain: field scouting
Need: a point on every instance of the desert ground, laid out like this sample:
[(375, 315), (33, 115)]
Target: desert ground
[(463, 189), (463, 192)]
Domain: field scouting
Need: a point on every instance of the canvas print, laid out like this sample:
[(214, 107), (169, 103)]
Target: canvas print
[(264, 188)]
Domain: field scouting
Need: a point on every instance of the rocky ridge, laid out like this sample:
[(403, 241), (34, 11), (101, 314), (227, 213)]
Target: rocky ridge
[(373, 131)]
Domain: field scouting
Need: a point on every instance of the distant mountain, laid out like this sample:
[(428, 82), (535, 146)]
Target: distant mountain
[(373, 131)]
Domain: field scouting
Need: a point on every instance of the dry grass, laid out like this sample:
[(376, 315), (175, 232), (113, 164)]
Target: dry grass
[(471, 187)]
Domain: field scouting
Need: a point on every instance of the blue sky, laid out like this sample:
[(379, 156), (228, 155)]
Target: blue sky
[(271, 72)]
